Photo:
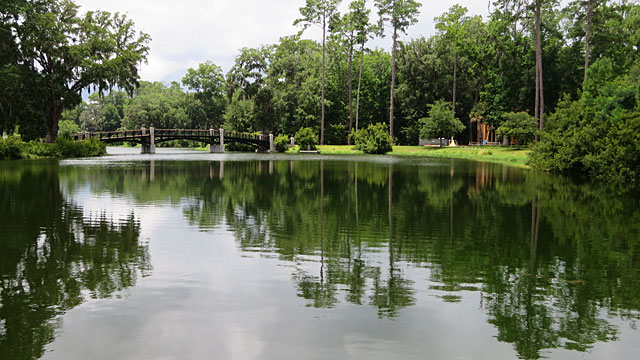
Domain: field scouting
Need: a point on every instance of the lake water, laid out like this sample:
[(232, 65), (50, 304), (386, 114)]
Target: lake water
[(189, 255)]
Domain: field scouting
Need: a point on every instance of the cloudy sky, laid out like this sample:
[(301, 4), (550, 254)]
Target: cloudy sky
[(187, 32)]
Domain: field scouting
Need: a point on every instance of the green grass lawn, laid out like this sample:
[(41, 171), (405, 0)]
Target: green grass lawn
[(498, 154)]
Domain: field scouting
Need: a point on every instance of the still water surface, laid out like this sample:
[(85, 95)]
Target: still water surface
[(185, 255)]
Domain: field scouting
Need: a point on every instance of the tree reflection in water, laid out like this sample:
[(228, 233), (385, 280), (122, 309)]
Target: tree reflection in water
[(552, 260), (52, 258)]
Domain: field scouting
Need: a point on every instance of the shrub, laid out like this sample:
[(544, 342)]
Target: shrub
[(597, 134), (375, 139), (281, 143), (69, 148), (14, 148), (39, 149), (306, 138), (11, 148)]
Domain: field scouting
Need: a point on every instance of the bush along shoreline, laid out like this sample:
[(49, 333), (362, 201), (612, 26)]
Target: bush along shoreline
[(13, 148)]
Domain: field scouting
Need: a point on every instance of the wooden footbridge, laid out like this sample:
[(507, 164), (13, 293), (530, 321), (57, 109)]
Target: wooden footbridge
[(148, 138)]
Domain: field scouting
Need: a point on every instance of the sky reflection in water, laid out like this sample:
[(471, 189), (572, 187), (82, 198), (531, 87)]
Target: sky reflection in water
[(257, 256)]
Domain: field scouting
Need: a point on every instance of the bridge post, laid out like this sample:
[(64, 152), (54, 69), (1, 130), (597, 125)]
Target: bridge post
[(272, 147), (152, 140), (219, 148), (144, 148)]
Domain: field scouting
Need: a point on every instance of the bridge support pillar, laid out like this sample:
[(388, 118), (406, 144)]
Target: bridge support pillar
[(149, 147), (217, 148), (272, 147), (152, 140)]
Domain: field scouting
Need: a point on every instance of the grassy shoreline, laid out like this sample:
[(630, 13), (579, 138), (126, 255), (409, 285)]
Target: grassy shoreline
[(496, 154)]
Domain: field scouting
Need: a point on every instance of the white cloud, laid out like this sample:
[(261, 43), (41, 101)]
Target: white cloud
[(186, 33)]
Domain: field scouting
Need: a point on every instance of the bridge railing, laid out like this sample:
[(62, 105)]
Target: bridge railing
[(109, 135), (248, 136), (139, 134), (185, 132)]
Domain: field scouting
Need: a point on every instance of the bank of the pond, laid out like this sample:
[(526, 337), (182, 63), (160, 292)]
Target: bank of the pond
[(496, 154), (13, 148)]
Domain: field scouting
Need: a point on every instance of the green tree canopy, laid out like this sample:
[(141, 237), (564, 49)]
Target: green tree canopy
[(65, 52), (520, 126), (441, 122), (157, 105), (208, 84)]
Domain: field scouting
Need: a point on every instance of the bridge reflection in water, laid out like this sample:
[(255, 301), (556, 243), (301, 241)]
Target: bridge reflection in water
[(148, 138)]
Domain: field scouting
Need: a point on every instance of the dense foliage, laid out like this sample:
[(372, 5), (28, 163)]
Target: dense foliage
[(598, 133), (375, 139), (14, 148), (306, 138), (68, 128), (281, 143), (51, 53), (521, 126), (11, 148)]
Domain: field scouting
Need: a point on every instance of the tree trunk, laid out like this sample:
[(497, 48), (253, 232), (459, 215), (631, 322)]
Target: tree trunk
[(359, 84), (587, 35), (324, 31), (393, 80), (350, 87), (53, 115), (536, 106), (501, 71), (539, 62), (455, 75), (539, 101)]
